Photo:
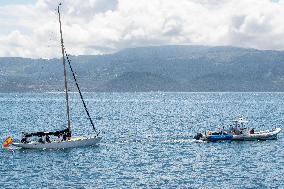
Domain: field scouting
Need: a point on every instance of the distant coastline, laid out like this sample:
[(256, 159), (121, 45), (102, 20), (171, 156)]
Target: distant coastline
[(157, 68)]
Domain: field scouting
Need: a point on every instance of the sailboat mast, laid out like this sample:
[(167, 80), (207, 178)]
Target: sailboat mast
[(65, 74)]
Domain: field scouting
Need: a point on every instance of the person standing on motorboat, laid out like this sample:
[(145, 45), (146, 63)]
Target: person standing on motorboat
[(238, 129)]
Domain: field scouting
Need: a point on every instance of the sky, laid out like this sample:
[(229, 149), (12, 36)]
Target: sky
[(29, 28)]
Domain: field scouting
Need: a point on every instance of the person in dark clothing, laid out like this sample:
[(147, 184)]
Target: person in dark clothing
[(24, 140), (40, 140), (64, 137), (47, 138)]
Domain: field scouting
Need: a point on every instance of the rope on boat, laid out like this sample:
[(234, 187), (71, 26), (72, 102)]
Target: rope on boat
[(81, 96)]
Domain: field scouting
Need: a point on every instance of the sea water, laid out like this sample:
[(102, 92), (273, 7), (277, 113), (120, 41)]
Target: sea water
[(147, 141)]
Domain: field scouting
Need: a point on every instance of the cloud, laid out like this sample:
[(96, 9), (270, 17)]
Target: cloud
[(104, 26)]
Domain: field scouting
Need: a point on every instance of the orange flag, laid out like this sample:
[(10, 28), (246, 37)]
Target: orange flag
[(7, 142)]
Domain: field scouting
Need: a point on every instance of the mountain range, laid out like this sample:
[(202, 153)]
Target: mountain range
[(156, 68)]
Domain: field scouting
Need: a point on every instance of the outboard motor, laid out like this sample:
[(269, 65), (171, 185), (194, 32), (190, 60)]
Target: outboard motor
[(198, 136)]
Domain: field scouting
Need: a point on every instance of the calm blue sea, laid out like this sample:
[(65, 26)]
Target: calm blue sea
[(147, 141)]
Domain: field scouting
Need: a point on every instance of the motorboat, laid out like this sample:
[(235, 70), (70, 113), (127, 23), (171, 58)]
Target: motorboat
[(238, 132)]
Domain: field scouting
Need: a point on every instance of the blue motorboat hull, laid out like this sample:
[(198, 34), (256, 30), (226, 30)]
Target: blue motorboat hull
[(214, 138)]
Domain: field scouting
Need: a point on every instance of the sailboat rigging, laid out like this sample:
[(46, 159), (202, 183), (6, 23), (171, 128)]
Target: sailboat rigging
[(80, 93), (67, 139)]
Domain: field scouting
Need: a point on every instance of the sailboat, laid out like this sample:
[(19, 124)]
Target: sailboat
[(63, 138)]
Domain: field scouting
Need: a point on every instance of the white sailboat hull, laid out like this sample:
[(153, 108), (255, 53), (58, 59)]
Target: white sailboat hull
[(72, 143)]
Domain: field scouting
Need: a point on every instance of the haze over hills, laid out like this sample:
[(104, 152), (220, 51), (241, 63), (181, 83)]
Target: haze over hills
[(159, 68)]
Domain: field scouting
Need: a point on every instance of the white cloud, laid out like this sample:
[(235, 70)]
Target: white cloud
[(102, 26)]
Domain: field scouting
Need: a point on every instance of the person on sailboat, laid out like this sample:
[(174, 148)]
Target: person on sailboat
[(59, 138), (24, 138), (40, 140), (64, 138), (47, 139)]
